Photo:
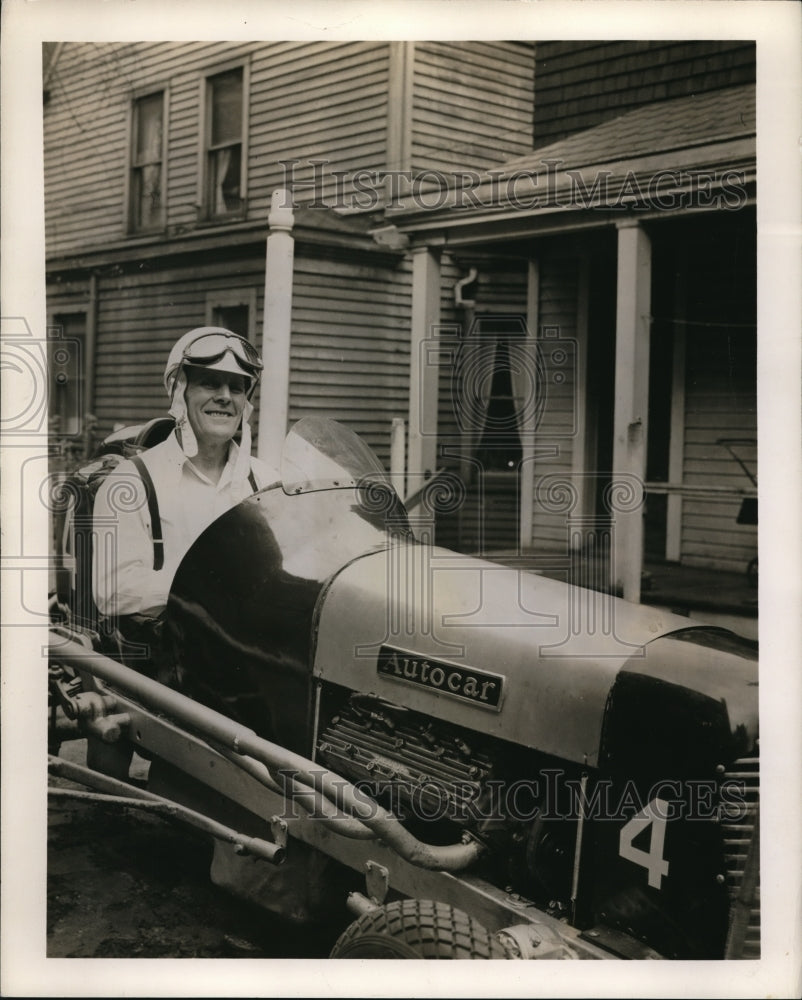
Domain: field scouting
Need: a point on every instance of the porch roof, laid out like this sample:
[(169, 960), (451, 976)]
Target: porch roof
[(690, 153), (681, 123)]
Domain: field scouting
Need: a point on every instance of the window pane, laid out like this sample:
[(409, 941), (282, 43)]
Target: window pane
[(224, 173), (234, 318), (226, 98), (148, 129), (147, 196)]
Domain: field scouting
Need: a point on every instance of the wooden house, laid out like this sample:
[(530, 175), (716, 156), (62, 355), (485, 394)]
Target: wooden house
[(540, 257), (160, 164)]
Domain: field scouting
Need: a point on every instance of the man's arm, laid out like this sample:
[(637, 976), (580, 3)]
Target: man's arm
[(123, 579)]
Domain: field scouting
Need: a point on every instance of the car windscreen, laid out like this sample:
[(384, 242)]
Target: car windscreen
[(321, 454)]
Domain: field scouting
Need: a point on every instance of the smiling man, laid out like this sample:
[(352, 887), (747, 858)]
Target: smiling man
[(160, 502)]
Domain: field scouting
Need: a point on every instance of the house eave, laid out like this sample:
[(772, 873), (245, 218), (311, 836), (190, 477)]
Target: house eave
[(159, 249), (549, 196)]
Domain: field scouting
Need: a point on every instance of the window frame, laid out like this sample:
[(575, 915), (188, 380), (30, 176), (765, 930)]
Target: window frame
[(206, 211), (131, 228), (55, 318), (233, 297)]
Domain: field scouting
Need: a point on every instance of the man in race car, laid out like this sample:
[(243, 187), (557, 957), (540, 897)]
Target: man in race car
[(184, 483)]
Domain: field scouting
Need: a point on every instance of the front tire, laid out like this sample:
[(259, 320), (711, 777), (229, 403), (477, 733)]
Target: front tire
[(417, 928)]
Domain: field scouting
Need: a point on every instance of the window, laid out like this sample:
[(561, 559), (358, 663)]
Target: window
[(66, 405), (234, 309), (146, 197), (224, 144), (234, 318)]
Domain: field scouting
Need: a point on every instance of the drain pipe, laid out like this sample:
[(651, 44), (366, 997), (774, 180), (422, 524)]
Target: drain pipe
[(459, 301)]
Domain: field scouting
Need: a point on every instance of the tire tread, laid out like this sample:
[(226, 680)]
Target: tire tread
[(434, 929)]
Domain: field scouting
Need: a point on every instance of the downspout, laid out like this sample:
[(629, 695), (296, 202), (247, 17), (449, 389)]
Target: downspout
[(466, 304)]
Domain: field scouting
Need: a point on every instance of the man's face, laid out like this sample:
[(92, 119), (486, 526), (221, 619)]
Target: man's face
[(215, 401)]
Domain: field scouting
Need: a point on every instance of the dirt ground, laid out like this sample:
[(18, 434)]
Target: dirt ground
[(124, 884)]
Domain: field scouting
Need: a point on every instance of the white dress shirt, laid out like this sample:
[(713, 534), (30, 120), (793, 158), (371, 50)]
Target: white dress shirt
[(124, 580)]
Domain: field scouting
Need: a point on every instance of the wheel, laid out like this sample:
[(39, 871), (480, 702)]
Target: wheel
[(417, 928)]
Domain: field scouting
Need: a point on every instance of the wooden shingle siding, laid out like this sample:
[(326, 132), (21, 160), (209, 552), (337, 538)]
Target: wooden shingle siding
[(580, 84), (472, 104)]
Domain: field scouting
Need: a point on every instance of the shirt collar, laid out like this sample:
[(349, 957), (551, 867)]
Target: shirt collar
[(178, 459)]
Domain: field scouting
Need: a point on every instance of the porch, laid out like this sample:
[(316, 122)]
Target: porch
[(725, 599)]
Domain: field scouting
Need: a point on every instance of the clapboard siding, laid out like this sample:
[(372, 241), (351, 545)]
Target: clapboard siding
[(720, 392), (328, 102), (307, 100), (139, 319), (720, 402), (580, 84), (324, 101), (350, 346), (557, 312), (487, 519), (460, 87)]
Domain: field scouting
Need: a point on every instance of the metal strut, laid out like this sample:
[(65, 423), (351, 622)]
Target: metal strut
[(221, 730)]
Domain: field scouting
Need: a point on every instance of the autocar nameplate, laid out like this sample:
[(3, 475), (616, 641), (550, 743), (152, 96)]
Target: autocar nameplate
[(479, 687)]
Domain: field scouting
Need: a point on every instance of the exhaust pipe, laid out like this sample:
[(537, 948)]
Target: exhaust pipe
[(243, 741)]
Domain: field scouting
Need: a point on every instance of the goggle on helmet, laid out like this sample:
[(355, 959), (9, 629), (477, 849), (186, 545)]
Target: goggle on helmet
[(215, 348)]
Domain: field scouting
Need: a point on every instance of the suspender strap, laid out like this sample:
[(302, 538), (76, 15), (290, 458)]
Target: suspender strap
[(153, 510)]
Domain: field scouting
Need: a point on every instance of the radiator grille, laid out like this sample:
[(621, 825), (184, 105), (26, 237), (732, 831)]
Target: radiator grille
[(742, 854), (435, 766)]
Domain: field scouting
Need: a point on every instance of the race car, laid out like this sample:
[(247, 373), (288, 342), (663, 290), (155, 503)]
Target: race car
[(476, 760)]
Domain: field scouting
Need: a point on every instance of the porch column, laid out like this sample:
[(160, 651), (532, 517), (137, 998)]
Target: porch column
[(423, 368), (633, 308), (529, 428), (274, 394)]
